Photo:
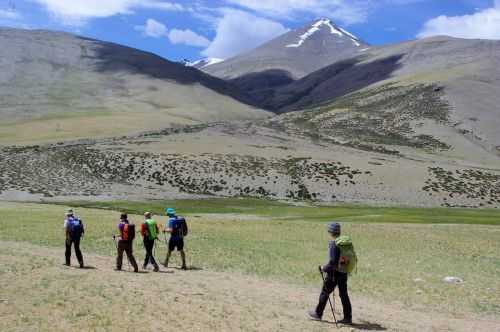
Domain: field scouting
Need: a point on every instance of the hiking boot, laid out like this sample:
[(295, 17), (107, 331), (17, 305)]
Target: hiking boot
[(136, 270), (156, 269), (314, 315), (183, 267), (165, 263), (81, 265), (345, 321), (117, 269), (144, 267)]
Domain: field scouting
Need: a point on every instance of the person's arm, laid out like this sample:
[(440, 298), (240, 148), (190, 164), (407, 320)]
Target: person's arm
[(333, 260), (170, 226), (66, 228), (83, 227)]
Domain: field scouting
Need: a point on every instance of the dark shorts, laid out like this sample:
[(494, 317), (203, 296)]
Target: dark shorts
[(176, 242)]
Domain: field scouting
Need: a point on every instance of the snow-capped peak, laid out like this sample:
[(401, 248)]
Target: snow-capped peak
[(202, 63), (316, 26)]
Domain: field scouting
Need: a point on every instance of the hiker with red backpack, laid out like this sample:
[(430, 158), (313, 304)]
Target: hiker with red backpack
[(74, 230), (177, 227), (342, 261), (149, 231), (125, 242)]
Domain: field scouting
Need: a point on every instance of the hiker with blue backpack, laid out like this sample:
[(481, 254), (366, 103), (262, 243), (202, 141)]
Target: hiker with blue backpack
[(177, 227), (342, 261), (149, 231), (74, 230)]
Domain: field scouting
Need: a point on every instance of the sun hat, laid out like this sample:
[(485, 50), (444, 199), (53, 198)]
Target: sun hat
[(170, 211)]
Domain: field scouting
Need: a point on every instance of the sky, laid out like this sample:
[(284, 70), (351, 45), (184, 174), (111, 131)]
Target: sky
[(194, 29)]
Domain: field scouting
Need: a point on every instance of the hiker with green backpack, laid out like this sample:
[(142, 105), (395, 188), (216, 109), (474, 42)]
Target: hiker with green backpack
[(149, 231), (342, 261)]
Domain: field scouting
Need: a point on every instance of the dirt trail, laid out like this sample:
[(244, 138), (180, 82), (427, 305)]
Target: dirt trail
[(38, 293)]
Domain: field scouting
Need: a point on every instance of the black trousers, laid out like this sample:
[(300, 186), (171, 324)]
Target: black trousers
[(127, 247), (148, 245), (76, 243), (331, 281)]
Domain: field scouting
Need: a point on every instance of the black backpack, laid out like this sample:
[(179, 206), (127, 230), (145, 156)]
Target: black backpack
[(181, 227)]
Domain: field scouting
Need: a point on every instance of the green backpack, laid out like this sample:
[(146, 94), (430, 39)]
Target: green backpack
[(348, 259), (151, 226)]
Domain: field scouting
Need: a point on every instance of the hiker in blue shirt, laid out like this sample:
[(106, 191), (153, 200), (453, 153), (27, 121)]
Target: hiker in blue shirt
[(177, 228), (73, 229)]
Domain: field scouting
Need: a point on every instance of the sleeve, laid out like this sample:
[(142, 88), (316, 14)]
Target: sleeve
[(333, 258), (65, 224), (171, 223), (83, 227)]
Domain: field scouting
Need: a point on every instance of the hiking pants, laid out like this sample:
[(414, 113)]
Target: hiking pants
[(148, 245), (76, 243), (338, 279), (127, 247)]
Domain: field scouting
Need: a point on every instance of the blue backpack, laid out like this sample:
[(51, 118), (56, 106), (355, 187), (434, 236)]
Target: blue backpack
[(75, 228)]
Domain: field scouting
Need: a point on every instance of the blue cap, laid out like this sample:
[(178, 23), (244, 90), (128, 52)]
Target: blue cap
[(334, 228), (170, 211)]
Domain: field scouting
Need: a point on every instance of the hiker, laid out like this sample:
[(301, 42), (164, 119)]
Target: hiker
[(177, 228), (336, 275), (125, 242), (149, 231), (74, 230)]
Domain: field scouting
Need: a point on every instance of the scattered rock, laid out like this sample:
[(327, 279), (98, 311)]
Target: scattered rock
[(418, 280), (453, 280)]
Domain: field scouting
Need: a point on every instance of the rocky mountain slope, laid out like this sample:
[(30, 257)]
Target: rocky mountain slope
[(49, 81)]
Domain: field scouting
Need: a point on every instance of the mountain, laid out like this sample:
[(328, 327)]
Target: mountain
[(202, 63), (294, 54), (57, 86)]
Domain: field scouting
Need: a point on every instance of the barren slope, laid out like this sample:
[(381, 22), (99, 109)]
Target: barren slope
[(57, 86)]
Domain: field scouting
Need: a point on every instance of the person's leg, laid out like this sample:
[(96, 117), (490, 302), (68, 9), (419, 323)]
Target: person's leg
[(129, 251), (78, 253), (180, 247), (167, 258), (344, 297), (119, 257), (183, 257), (67, 253), (149, 251), (328, 287)]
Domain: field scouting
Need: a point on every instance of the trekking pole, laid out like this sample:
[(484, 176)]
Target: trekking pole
[(329, 301)]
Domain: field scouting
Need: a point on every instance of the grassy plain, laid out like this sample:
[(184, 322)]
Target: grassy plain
[(404, 253)]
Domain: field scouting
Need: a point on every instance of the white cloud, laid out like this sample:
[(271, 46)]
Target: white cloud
[(78, 12), (483, 24), (155, 29), (238, 31), (187, 37), (347, 11), (152, 28), (9, 14)]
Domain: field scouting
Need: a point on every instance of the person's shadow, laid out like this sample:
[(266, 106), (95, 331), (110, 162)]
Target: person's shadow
[(363, 325)]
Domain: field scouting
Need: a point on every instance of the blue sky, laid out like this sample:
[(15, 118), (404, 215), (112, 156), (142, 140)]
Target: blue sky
[(195, 29)]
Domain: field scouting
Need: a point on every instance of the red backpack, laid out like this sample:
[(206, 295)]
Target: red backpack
[(128, 232)]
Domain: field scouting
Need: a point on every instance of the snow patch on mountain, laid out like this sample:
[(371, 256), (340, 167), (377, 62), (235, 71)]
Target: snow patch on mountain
[(202, 63), (333, 30)]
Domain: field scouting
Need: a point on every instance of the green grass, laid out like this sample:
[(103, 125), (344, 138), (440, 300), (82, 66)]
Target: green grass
[(287, 243), (275, 209)]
